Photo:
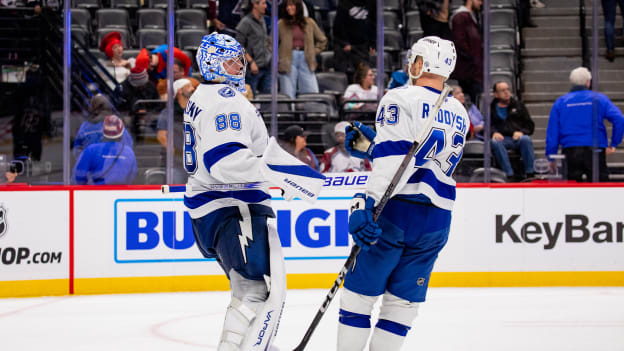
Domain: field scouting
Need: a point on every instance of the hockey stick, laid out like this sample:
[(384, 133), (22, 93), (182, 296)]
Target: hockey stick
[(355, 250), (166, 189)]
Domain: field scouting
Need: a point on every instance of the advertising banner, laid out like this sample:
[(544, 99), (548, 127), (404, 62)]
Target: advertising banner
[(34, 242)]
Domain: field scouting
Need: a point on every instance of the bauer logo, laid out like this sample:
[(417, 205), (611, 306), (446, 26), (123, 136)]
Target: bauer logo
[(160, 230)]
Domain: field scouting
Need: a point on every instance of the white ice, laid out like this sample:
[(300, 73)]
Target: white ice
[(483, 319)]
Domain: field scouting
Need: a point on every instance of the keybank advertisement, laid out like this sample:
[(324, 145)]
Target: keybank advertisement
[(34, 240)]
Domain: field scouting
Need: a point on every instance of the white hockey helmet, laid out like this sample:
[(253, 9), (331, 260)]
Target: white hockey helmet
[(215, 49), (439, 56)]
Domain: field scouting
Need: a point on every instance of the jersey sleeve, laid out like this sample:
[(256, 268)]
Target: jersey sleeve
[(396, 131), (227, 139)]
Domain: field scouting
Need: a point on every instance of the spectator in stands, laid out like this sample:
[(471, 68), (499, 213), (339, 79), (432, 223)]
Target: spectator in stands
[(338, 159), (466, 30), (162, 84), (110, 161), (118, 67), (9, 177), (571, 125), (156, 62), (136, 87), (253, 36), (90, 131), (294, 141), (476, 118), (228, 16), (182, 90), (363, 88), (511, 127), (434, 18), (400, 77), (609, 11), (355, 34), (300, 40), (31, 119)]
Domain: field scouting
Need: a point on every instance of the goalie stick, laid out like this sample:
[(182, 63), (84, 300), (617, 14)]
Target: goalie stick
[(355, 250), (166, 189)]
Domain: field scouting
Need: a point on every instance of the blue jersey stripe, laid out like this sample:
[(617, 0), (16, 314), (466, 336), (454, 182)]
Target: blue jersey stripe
[(213, 155), (249, 196), (427, 176), (391, 148), (303, 171)]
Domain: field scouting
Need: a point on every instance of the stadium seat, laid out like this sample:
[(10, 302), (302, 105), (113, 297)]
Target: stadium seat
[(159, 4), (130, 53), (112, 18), (101, 32), (189, 39), (125, 4), (411, 5), (86, 4), (151, 38), (392, 5), (502, 4), (81, 17), (190, 19), (197, 4), (79, 35), (318, 106), (152, 19), (393, 41), (502, 60), (412, 21), (332, 82), (413, 36), (391, 20), (502, 38), (326, 61), (503, 18)]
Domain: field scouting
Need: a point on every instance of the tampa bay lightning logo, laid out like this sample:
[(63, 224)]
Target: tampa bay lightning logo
[(226, 92), (3, 221)]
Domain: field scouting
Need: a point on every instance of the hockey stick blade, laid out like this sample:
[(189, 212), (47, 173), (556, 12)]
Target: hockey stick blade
[(355, 250)]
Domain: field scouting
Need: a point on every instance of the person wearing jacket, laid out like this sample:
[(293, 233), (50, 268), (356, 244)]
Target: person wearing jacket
[(466, 31), (300, 40), (571, 125), (90, 131), (511, 127), (108, 162)]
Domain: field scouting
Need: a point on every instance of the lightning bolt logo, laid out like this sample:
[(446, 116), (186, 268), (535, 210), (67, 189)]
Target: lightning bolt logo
[(246, 233)]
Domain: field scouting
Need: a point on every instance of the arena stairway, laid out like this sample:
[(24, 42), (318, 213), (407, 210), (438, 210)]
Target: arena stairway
[(552, 50)]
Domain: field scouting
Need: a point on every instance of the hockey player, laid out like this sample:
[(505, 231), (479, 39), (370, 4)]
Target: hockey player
[(398, 252), (228, 155)]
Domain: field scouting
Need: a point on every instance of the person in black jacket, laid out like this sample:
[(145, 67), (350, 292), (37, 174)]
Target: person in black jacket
[(511, 127)]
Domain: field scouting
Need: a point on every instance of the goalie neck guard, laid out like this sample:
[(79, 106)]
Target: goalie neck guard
[(214, 53)]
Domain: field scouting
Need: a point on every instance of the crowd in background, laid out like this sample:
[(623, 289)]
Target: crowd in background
[(301, 40)]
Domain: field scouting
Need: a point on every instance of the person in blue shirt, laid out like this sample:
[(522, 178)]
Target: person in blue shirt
[(110, 161), (572, 121), (399, 77), (90, 131)]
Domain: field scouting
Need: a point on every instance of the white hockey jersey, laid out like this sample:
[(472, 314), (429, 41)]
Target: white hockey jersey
[(402, 114), (224, 139)]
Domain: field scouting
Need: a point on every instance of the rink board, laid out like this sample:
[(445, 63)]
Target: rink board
[(134, 239)]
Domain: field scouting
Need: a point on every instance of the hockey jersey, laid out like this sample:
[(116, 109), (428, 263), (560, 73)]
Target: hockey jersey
[(401, 116), (224, 137)]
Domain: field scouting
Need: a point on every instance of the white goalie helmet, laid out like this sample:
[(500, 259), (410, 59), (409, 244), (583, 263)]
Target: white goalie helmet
[(213, 53), (439, 56)]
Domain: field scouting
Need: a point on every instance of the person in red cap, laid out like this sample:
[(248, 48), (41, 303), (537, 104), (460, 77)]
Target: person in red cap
[(118, 67), (108, 162), (156, 62)]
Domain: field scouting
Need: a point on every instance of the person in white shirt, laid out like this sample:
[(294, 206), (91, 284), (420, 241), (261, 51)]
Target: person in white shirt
[(362, 89)]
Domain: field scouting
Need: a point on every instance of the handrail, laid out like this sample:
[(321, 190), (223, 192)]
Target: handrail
[(583, 34)]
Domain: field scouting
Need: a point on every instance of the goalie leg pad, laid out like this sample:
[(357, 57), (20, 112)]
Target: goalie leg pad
[(395, 319), (264, 327), (354, 320)]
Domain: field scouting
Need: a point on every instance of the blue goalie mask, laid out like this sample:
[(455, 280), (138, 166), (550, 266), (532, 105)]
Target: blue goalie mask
[(222, 59)]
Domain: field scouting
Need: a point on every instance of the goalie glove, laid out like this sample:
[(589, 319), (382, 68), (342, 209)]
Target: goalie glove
[(363, 229), (359, 140)]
